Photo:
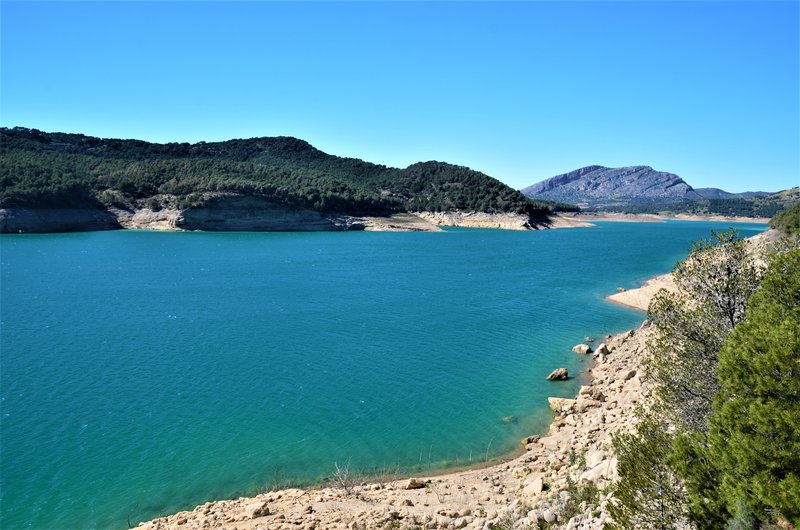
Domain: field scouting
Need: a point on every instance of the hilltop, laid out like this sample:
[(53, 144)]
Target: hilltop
[(642, 189), (265, 178)]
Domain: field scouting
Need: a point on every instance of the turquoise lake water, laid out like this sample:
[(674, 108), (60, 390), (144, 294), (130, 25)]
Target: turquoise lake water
[(142, 373)]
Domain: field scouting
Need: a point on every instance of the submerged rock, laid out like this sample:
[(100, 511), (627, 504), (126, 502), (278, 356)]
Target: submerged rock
[(583, 349), (559, 374)]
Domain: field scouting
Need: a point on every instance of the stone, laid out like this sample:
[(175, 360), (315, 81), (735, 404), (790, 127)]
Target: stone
[(594, 457), (414, 484), (603, 470), (534, 487), (256, 509), (583, 349), (530, 440), (559, 374), (583, 403), (506, 420), (629, 375), (602, 349), (560, 404)]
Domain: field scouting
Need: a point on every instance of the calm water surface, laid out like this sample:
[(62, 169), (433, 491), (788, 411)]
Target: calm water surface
[(142, 373)]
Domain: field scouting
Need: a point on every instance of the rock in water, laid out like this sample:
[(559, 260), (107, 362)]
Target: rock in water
[(559, 374), (583, 349)]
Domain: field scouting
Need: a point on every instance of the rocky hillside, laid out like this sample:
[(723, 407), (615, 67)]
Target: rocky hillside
[(598, 185), (642, 189)]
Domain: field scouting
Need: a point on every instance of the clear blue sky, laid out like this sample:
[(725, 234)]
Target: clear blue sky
[(522, 91)]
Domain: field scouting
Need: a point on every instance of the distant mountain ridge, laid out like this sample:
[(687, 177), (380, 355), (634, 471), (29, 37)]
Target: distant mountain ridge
[(603, 188)]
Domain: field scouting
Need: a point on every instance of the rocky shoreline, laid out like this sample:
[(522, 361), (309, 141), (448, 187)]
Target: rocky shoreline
[(561, 478), (234, 212), (253, 214)]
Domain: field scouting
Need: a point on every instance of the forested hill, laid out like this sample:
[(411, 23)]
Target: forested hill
[(54, 170)]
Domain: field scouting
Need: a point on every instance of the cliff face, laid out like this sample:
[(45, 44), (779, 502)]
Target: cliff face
[(243, 213), (597, 185), (14, 220), (505, 221)]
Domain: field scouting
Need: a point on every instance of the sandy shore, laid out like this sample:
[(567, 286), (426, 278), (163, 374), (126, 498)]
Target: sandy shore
[(533, 486), (640, 297)]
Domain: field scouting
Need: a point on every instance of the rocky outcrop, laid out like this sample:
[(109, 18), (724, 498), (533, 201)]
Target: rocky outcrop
[(16, 220)]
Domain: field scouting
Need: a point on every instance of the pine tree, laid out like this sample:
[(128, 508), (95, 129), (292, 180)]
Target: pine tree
[(714, 283), (648, 495), (755, 432)]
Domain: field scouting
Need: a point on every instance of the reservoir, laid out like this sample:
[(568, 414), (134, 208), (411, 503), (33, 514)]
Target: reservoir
[(143, 373)]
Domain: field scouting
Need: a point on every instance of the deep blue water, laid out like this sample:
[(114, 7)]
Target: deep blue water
[(142, 373)]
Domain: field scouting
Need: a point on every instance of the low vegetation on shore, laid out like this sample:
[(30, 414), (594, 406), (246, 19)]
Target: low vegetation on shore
[(717, 446)]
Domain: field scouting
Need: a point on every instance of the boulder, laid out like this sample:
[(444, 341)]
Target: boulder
[(561, 404), (559, 374), (593, 458), (602, 349), (583, 349), (257, 509), (414, 484), (529, 440), (534, 487)]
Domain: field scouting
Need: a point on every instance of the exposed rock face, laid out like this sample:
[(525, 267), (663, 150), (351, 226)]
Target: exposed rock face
[(506, 221), (246, 213), (147, 219), (14, 220), (598, 185)]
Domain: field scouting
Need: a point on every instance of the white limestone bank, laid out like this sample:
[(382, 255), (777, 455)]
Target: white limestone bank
[(233, 212)]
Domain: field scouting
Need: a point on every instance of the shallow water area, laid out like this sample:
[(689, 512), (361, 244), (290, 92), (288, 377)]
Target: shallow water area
[(144, 373)]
